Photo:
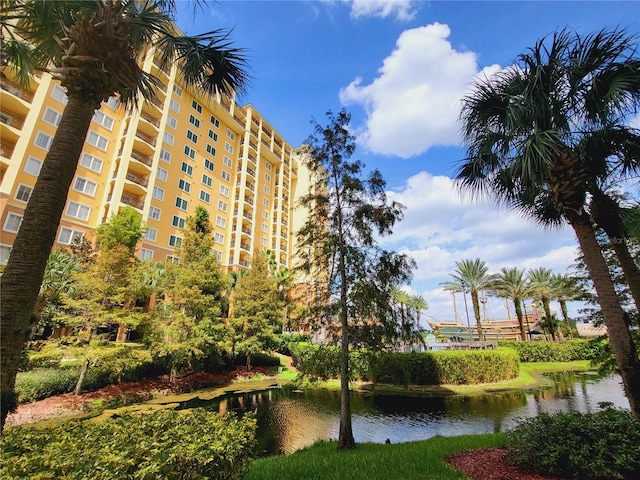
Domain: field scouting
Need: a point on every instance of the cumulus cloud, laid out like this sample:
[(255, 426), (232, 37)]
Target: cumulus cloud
[(413, 103), (402, 10)]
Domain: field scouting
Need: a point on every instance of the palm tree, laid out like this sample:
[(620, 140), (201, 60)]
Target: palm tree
[(471, 276), (418, 304), (542, 285), (523, 128), (92, 48), (511, 284), (566, 289)]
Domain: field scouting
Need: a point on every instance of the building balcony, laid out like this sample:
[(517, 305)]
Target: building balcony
[(244, 263), (250, 186), (6, 150), (137, 179), (151, 119), (251, 172), (129, 200), (16, 90), (245, 246), (247, 215), (148, 161), (246, 230), (11, 120), (147, 138)]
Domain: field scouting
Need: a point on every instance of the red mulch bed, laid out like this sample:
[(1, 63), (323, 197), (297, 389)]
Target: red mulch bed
[(127, 392), (489, 464)]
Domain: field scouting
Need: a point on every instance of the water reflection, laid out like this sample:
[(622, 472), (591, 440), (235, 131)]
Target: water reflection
[(290, 419)]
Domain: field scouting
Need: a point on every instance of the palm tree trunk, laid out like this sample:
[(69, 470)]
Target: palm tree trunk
[(518, 308), (565, 316), (547, 312), (628, 266), (20, 282), (619, 335), (476, 313)]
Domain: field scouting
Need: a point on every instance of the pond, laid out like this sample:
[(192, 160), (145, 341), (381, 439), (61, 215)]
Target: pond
[(290, 419)]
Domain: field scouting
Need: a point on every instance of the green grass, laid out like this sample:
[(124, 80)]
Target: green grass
[(422, 460)]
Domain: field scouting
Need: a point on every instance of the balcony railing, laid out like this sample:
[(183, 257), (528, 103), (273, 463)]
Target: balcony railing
[(147, 138), (244, 263), (152, 120), (156, 102), (247, 215), (134, 202), (6, 150), (251, 172), (12, 121), (142, 158), (245, 246), (140, 180), (16, 90), (246, 230), (250, 186)]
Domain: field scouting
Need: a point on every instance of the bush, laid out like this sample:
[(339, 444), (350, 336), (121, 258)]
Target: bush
[(258, 359), (556, 352), (42, 383), (416, 368), (600, 445), (165, 444)]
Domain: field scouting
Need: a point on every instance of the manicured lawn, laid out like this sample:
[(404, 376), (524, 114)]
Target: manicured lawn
[(421, 460)]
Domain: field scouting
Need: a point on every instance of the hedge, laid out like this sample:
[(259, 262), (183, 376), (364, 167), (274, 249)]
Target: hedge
[(557, 352), (166, 444), (416, 368)]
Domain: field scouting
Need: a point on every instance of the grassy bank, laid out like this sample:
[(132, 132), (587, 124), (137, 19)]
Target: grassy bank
[(405, 461)]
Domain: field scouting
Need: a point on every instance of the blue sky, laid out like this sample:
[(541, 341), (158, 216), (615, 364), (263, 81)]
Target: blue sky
[(400, 68)]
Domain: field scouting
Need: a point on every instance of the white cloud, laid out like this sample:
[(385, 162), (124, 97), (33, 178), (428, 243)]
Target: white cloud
[(403, 10), (413, 104)]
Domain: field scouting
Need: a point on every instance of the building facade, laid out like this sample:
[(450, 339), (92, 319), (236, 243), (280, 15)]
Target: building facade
[(163, 158)]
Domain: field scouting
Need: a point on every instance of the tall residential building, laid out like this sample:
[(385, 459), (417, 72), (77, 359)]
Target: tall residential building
[(163, 158)]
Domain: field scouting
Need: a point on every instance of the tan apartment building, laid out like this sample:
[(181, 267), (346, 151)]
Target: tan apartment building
[(163, 158)]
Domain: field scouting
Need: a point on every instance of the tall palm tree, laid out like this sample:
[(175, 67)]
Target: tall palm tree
[(471, 276), (543, 288), (566, 289), (92, 48), (523, 128), (511, 284), (418, 304)]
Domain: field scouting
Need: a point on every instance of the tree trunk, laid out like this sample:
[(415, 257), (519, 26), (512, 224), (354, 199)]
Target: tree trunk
[(547, 313), (248, 361), (83, 375), (619, 335), (20, 282), (476, 313), (565, 316), (518, 307)]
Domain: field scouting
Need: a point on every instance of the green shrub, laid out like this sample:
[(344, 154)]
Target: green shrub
[(416, 368), (165, 444), (600, 445), (258, 359), (556, 352), (42, 383)]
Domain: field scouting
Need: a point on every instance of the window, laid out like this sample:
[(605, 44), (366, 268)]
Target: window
[(5, 251), (184, 185), (69, 236), (186, 168), (196, 106), (207, 180), (265, 214), (92, 163), (165, 156), (263, 241), (58, 93), (158, 193), (168, 138), (227, 161), (264, 227), (267, 189), (211, 150), (230, 134), (113, 103), (174, 105), (218, 237), (52, 117), (12, 223), (267, 177), (221, 221), (85, 186), (177, 221), (218, 254), (226, 176), (146, 254), (103, 119), (213, 135), (215, 121), (151, 234), (97, 140), (33, 166), (265, 202), (204, 196), (194, 121), (189, 152), (222, 205), (173, 259), (175, 241), (23, 193), (78, 210), (224, 191), (43, 141), (192, 136), (268, 165), (162, 174), (228, 147), (171, 122), (208, 164), (154, 213), (177, 90), (181, 203)]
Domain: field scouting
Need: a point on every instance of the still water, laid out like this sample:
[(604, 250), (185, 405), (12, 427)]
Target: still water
[(290, 419)]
